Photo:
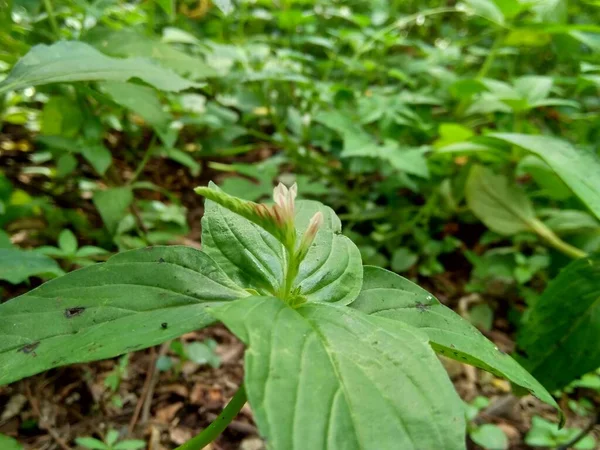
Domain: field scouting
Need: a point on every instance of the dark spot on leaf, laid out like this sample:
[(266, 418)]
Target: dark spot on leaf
[(161, 260), (455, 353), (164, 325), (422, 307), (29, 348), (74, 312)]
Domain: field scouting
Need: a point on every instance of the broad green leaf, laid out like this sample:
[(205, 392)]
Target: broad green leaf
[(18, 265), (128, 43), (141, 100), (331, 272), (497, 202), (560, 333), (578, 168), (112, 205), (135, 300), (67, 61), (320, 376), (385, 294), (8, 443)]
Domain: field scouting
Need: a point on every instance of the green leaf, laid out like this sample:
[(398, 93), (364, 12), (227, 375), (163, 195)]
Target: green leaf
[(135, 300), (142, 100), (560, 332), (131, 444), (544, 176), (490, 437), (67, 242), (497, 202), (111, 437), (67, 61), (403, 259), (8, 443), (61, 116), (202, 353), (112, 205), (385, 294), (65, 165), (91, 443), (578, 168), (224, 5), (321, 376), (570, 221), (487, 9), (533, 88), (331, 271), (18, 265), (98, 156), (358, 143), (129, 43)]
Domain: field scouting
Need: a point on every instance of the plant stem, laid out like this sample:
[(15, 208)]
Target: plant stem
[(291, 271), (211, 432), (144, 161), (491, 56), (546, 233), (50, 11)]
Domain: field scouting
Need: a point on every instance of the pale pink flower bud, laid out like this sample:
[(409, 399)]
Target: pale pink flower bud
[(309, 235)]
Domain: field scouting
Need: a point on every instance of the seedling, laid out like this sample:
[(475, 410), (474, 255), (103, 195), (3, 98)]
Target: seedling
[(111, 442)]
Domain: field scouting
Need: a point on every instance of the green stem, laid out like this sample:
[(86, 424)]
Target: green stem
[(291, 272), (551, 238), (50, 11), (144, 161), (213, 431), (491, 56)]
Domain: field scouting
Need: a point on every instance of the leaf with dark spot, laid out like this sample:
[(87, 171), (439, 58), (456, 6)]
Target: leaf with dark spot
[(29, 348), (74, 312)]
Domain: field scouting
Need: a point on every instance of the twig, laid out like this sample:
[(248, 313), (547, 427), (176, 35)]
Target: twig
[(595, 421), (145, 388), (153, 380), (36, 410)]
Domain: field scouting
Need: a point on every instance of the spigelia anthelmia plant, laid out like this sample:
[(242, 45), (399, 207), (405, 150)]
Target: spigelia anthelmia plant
[(339, 355)]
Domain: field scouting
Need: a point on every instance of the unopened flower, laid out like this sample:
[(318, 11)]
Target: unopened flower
[(309, 235), (284, 199)]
